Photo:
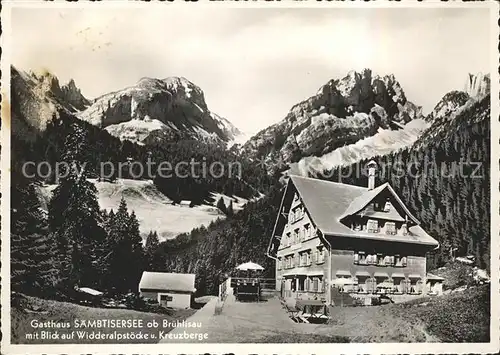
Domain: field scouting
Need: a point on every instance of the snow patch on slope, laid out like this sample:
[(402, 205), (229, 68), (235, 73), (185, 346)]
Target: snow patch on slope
[(383, 142), (154, 210), (135, 130)]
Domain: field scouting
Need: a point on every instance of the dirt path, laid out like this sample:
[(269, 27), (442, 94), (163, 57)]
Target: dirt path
[(240, 322), (267, 321)]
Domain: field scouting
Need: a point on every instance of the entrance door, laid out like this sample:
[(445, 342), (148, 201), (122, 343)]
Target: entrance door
[(164, 299)]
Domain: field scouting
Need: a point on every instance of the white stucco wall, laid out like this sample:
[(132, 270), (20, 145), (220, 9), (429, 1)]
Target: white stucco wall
[(179, 300)]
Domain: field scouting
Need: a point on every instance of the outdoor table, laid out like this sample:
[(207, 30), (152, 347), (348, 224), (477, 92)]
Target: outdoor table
[(314, 309)]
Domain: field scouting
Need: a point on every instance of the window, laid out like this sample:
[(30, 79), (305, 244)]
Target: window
[(315, 284), (321, 256), (308, 258), (301, 284), (380, 260), (404, 229), (387, 206), (372, 259), (361, 258), (400, 261), (307, 231), (288, 239), (372, 226), (390, 228), (356, 258)]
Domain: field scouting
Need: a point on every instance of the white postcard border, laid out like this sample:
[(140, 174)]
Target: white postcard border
[(372, 348)]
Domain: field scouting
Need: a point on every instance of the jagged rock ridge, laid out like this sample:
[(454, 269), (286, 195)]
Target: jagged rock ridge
[(151, 111), (38, 98), (477, 85), (455, 104), (155, 109), (342, 112)]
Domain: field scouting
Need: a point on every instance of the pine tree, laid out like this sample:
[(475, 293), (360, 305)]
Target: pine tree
[(151, 251), (221, 205), (152, 242), (230, 209), (125, 257), (75, 216), (34, 263), (136, 252)]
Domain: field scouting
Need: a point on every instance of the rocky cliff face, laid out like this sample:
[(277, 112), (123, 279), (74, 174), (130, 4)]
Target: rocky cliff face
[(154, 109), (151, 111), (342, 112), (38, 98), (477, 85), (465, 105), (73, 96)]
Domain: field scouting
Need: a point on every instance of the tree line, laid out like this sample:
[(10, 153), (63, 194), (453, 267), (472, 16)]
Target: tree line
[(76, 244), (453, 208), (446, 184), (239, 175)]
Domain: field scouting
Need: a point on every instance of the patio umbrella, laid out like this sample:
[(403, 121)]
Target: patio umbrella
[(249, 266)]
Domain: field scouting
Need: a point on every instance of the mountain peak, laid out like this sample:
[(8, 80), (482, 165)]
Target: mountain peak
[(154, 110), (477, 85), (37, 97), (342, 112)]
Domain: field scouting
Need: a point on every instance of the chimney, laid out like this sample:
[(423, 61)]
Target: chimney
[(372, 169)]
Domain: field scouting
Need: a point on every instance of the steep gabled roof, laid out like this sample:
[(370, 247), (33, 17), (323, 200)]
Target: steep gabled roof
[(167, 281), (328, 202), (363, 200)]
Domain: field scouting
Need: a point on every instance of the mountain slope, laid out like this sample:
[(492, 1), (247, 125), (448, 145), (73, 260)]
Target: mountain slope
[(38, 98), (155, 211), (385, 141), (445, 182), (453, 106), (153, 110), (342, 112), (453, 208)]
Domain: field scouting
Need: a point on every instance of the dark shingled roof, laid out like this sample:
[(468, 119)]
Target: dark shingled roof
[(167, 281), (328, 202)]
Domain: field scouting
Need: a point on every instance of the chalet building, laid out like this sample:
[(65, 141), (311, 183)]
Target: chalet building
[(331, 237), (168, 289)]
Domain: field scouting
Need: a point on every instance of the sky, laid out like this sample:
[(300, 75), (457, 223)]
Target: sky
[(254, 64)]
